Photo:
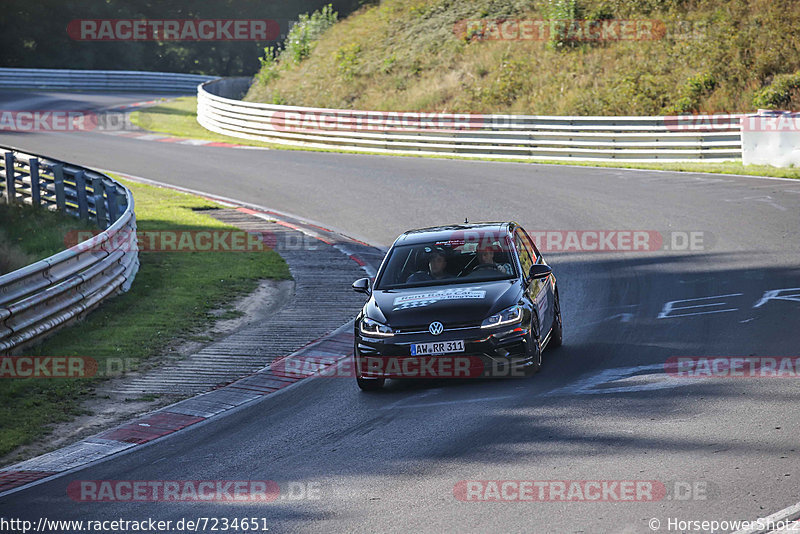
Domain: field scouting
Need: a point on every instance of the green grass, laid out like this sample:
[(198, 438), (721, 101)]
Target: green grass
[(729, 167), (171, 298), (178, 117), (30, 234), (173, 126)]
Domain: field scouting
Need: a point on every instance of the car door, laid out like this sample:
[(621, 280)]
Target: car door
[(539, 291)]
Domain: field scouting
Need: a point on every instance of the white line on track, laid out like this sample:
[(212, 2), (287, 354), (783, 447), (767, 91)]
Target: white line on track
[(445, 403), (785, 515)]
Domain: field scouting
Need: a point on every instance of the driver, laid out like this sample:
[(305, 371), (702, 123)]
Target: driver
[(437, 263), (486, 261)]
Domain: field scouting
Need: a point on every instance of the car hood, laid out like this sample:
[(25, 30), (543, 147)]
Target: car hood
[(461, 304)]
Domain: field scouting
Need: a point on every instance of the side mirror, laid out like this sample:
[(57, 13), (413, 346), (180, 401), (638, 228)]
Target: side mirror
[(362, 285), (539, 271)]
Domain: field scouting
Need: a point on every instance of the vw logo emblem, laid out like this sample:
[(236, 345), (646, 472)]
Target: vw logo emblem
[(436, 328)]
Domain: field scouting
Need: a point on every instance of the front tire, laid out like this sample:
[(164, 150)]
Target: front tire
[(535, 347)]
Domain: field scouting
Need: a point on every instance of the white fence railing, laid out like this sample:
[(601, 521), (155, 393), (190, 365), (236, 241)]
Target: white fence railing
[(37, 299), (633, 139), (100, 80)]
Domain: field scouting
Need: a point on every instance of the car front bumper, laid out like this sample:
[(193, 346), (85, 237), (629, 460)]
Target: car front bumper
[(497, 352)]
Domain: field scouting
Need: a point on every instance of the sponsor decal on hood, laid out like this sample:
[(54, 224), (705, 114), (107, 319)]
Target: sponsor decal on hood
[(426, 298)]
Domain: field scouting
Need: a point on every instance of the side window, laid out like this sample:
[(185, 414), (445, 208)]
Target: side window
[(527, 239), (524, 251)]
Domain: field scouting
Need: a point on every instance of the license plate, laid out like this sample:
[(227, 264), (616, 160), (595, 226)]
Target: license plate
[(439, 347)]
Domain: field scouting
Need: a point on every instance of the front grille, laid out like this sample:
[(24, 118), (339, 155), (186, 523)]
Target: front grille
[(423, 329)]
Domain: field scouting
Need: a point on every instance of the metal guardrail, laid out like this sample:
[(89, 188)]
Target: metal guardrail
[(37, 299), (100, 80), (632, 139)]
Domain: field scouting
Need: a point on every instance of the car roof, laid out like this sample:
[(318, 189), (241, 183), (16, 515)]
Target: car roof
[(441, 233)]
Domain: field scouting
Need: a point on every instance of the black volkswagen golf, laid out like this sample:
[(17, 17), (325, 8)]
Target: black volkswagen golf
[(457, 301)]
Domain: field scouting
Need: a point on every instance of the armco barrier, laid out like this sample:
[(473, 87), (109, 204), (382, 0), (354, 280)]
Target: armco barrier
[(42, 297), (633, 139), (100, 80)]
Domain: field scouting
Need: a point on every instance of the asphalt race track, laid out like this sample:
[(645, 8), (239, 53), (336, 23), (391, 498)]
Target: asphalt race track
[(602, 407)]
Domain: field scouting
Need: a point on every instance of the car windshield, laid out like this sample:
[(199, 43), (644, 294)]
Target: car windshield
[(451, 261)]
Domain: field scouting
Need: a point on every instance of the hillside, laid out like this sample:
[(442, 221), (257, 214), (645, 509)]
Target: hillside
[(704, 56)]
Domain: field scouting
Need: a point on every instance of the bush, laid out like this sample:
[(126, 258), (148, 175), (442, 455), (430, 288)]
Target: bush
[(347, 60), (782, 92), (297, 46), (307, 30), (269, 66), (507, 86), (561, 10), (696, 88)]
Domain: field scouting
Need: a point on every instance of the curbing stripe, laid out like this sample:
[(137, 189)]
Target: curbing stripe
[(358, 260), (150, 427), (13, 479)]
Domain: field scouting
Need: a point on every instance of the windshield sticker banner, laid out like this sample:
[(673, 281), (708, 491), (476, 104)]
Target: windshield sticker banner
[(429, 297)]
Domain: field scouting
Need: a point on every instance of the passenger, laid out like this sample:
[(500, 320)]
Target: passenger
[(437, 263)]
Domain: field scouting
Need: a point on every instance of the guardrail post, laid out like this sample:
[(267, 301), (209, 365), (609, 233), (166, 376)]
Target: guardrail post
[(36, 197), (58, 182), (99, 202), (11, 192), (122, 201), (80, 191), (113, 204)]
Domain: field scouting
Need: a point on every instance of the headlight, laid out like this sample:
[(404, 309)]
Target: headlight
[(368, 327), (508, 316)]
